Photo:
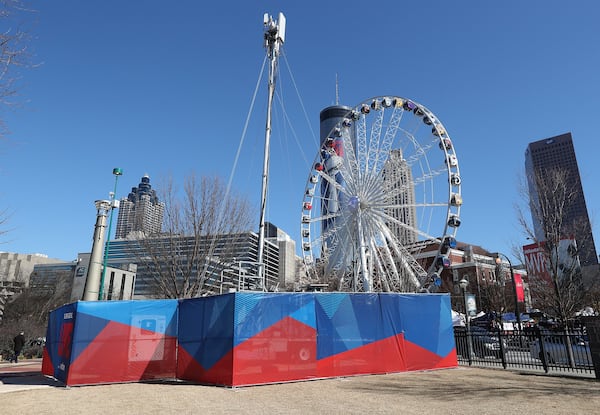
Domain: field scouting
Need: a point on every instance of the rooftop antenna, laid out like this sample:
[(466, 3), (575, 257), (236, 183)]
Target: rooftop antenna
[(337, 90), (274, 37)]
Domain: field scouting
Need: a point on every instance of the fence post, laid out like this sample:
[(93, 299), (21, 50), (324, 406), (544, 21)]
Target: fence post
[(502, 351), (542, 355), (592, 328), (469, 345)]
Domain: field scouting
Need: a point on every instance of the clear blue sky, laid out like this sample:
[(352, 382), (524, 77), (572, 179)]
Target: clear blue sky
[(164, 88)]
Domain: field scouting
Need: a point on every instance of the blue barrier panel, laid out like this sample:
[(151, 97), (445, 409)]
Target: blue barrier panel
[(249, 338), (119, 341), (59, 340)]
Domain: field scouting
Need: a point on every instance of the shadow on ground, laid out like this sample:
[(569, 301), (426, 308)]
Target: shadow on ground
[(29, 379)]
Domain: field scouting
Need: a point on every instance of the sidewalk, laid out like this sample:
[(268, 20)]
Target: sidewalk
[(24, 366), (25, 375)]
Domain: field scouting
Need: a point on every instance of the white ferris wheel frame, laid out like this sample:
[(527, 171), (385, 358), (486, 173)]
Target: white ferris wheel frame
[(379, 261)]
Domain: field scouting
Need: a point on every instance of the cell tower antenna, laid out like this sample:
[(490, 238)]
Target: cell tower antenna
[(337, 90)]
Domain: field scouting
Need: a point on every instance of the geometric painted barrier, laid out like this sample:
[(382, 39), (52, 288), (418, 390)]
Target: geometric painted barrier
[(111, 341), (250, 338)]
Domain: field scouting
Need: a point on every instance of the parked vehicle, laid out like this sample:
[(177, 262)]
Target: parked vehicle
[(484, 343), (555, 349)]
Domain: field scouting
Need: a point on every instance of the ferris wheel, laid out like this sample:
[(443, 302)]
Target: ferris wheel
[(384, 189)]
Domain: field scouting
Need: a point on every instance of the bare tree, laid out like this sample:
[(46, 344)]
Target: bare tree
[(14, 52), (591, 283), (14, 57), (3, 221), (28, 310), (200, 232), (560, 291), (492, 295)]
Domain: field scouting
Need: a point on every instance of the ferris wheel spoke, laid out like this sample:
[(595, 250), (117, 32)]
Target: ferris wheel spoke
[(350, 168), (380, 265), (388, 139), (334, 183), (386, 218), (338, 258), (410, 267), (361, 144), (409, 205), (373, 151), (429, 175), (322, 218), (418, 155)]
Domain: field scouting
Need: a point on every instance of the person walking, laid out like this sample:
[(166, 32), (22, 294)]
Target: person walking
[(19, 342)]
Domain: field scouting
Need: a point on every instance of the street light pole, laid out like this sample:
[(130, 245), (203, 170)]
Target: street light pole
[(113, 204), (463, 283), (512, 278)]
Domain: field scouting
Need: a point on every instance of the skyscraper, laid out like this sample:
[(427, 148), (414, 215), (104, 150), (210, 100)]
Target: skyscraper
[(399, 189), (541, 159), (140, 212)]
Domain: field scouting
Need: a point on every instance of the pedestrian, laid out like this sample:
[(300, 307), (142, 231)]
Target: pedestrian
[(19, 341)]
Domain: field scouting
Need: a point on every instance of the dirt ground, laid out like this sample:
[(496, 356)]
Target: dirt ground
[(449, 391)]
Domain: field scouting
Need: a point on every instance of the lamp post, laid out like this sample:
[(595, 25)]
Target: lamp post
[(498, 256), (113, 204), (463, 283)]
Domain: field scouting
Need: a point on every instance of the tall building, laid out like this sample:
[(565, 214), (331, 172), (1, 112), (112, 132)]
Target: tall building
[(141, 212), (399, 189), (287, 255), (16, 269), (222, 257), (543, 156), (15, 273)]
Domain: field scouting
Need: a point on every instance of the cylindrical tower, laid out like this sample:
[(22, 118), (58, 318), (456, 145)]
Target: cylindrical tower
[(330, 117), (92, 282), (332, 153)]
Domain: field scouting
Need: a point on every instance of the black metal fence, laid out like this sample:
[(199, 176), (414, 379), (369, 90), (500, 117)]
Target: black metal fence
[(530, 349)]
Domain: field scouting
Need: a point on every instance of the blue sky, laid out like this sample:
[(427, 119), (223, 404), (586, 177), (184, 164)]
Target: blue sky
[(164, 88)]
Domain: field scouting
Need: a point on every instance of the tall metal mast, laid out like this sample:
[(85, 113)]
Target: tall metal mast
[(92, 281), (273, 39)]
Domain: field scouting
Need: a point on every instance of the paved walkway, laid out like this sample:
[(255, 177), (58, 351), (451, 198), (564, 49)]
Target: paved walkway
[(463, 390), (24, 366), (24, 375)]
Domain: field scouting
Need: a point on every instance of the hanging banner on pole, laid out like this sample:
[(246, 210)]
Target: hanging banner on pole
[(471, 305), (519, 288)]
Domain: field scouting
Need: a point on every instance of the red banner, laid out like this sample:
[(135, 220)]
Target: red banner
[(519, 288), (535, 261)]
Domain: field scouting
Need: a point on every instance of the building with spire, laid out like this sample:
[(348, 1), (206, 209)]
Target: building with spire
[(141, 213)]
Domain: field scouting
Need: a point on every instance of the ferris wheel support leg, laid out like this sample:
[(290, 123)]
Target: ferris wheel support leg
[(366, 278)]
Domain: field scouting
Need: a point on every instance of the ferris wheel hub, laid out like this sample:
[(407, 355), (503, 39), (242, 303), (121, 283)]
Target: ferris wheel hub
[(354, 203)]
